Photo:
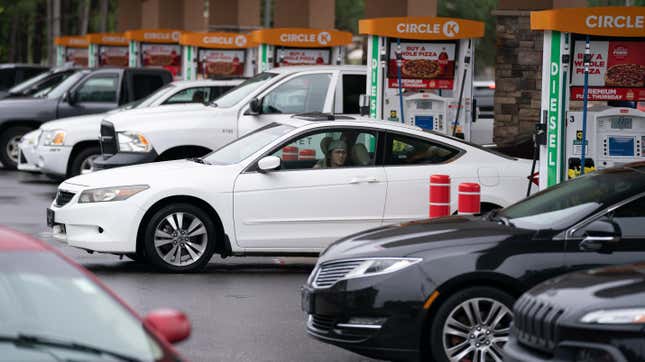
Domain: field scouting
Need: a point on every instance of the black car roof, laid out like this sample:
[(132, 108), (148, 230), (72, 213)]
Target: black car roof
[(636, 166)]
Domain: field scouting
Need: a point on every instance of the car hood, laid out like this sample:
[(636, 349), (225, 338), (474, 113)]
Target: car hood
[(418, 237), (595, 289), (71, 123), (124, 120), (148, 174)]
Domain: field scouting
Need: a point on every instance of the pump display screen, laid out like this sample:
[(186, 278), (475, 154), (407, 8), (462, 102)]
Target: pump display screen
[(621, 123), (423, 65), (621, 146)]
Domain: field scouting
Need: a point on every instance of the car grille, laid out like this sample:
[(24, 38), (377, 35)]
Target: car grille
[(108, 139), (63, 197), (321, 323), (330, 273), (535, 323)]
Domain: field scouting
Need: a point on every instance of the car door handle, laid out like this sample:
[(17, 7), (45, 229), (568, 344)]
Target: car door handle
[(355, 180), (371, 179), (358, 180)]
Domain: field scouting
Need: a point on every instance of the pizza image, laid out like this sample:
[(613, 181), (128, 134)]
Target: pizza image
[(420, 69), (220, 68), (116, 60), (625, 75)]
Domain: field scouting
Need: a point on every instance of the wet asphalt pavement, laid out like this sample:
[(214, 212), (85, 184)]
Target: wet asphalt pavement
[(241, 309)]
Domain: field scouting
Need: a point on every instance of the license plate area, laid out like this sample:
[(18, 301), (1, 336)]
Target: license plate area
[(307, 301)]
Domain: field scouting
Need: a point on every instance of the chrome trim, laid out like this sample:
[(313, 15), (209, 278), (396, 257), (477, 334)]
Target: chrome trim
[(363, 326), (568, 235)]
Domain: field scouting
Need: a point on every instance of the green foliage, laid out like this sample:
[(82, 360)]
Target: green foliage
[(480, 10), (348, 12)]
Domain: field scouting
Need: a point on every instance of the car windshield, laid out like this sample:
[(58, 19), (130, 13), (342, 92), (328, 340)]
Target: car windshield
[(242, 148), (235, 95), (60, 89), (567, 203), (20, 87), (41, 295)]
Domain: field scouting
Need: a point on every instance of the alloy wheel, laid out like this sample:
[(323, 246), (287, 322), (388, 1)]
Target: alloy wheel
[(476, 331), (12, 148), (87, 166), (180, 239)]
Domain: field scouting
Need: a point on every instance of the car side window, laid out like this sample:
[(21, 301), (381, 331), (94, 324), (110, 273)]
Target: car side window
[(306, 93), (630, 218), (353, 86), (100, 88), (329, 149), (217, 91), (405, 150), (190, 95), (7, 78)]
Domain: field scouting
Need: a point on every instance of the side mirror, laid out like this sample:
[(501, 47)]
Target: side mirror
[(70, 98), (255, 107), (364, 104), (172, 325), (269, 163), (599, 235)]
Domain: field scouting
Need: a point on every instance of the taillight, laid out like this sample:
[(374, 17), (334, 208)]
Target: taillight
[(535, 178)]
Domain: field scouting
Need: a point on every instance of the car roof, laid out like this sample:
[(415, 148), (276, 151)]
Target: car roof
[(309, 68), (306, 119), (207, 82), (11, 240)]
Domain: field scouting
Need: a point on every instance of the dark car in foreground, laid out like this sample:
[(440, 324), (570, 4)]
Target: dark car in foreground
[(443, 289), (590, 316), (52, 309), (84, 92)]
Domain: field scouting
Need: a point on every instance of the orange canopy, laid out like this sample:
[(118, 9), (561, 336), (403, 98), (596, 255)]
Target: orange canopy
[(154, 35), (218, 40), (117, 39), (422, 28), (619, 21), (302, 37), (72, 41)]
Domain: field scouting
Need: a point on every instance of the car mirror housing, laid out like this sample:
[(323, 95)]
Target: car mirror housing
[(255, 107), (69, 97), (599, 235), (269, 163), (172, 325)]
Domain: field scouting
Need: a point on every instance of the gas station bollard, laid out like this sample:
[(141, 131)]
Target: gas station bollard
[(439, 196), (469, 199)]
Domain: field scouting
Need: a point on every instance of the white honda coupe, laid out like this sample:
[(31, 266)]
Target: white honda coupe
[(289, 188)]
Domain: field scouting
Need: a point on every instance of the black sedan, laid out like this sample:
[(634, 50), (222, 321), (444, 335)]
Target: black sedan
[(591, 316), (443, 289)]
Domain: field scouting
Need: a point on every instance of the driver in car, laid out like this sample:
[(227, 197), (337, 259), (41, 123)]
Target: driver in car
[(336, 155)]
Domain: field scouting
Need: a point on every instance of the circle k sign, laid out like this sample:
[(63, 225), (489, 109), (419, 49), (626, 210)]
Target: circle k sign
[(422, 28)]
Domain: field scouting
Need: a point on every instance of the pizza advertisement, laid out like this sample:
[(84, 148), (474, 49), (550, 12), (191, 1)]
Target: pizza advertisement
[(616, 71), (113, 56), (76, 56), (167, 56), (424, 65), (293, 56), (218, 63)]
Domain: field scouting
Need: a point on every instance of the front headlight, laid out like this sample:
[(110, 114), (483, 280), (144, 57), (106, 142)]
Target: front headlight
[(378, 266), (105, 194), (53, 138), (615, 316), (133, 142)]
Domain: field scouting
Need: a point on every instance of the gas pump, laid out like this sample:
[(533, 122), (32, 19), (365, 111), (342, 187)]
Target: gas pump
[(215, 55), (155, 48), (593, 58), (107, 49), (420, 71), (281, 47), (71, 50)]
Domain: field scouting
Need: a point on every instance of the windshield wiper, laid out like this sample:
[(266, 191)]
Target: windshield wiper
[(30, 341), (494, 215)]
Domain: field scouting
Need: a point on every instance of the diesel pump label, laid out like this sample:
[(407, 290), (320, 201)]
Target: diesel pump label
[(423, 65), (616, 70)]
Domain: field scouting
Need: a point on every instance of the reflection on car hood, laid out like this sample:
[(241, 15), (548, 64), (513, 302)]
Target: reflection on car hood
[(153, 114), (418, 236), (70, 123), (605, 288)]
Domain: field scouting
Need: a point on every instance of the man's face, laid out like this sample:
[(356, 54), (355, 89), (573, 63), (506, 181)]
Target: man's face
[(338, 157)]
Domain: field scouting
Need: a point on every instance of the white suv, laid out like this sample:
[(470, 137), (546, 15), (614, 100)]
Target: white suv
[(68, 147), (174, 132), (290, 188)]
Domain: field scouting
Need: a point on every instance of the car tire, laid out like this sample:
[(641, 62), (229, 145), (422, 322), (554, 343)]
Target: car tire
[(83, 161), (9, 140), (179, 226), (465, 333)]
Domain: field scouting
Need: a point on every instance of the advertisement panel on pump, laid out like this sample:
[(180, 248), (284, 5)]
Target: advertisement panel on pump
[(616, 70), (76, 56), (294, 56), (423, 65), (167, 56), (113, 56), (220, 62)]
